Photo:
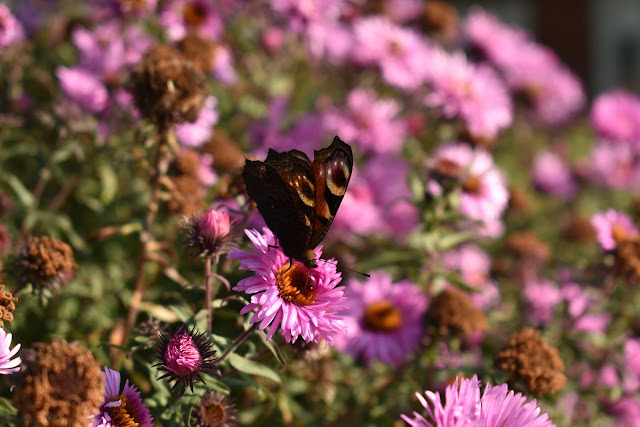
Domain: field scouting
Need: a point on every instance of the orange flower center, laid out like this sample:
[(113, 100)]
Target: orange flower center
[(618, 232), (382, 316), (213, 414), (122, 415), (472, 185), (194, 14), (294, 284)]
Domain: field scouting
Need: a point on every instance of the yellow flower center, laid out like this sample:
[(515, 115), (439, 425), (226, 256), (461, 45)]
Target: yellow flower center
[(618, 232), (294, 285), (472, 185), (213, 414), (382, 316), (123, 415)]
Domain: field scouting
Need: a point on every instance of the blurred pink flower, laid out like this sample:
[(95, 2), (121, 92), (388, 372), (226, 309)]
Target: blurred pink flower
[(474, 266), (616, 164), (206, 173), (370, 123), (615, 115), (473, 93), (497, 407), (7, 364), (541, 297), (402, 55), (383, 321), (484, 192), (592, 323), (179, 17), (119, 8), (608, 376), (631, 381), (612, 226), (551, 175), (626, 412), (358, 211), (304, 303), (197, 133), (83, 88), (222, 67), (11, 30)]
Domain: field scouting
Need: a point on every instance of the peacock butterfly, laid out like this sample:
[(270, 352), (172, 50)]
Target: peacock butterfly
[(297, 198)]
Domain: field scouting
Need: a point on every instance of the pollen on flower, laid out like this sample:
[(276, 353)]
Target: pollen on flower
[(382, 316), (293, 285), (472, 185)]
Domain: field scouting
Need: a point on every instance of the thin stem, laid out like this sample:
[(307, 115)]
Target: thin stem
[(238, 341), (207, 290)]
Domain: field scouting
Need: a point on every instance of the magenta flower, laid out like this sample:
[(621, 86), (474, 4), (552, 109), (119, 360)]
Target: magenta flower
[(123, 8), (84, 88), (551, 175), (383, 321), (631, 382), (11, 30), (359, 212), (211, 233), (8, 365), (612, 226), (121, 408), (497, 407), (484, 192), (402, 55), (185, 358), (180, 17), (197, 133), (542, 297), (473, 93), (369, 123), (616, 164), (626, 411), (615, 115), (303, 302)]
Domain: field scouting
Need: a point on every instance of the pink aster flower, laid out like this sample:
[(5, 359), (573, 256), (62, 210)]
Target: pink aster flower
[(185, 357), (122, 8), (303, 302), (182, 16), (626, 412), (497, 407), (329, 39), (616, 164), (551, 175), (542, 297), (484, 192), (211, 233), (11, 30), (631, 382), (473, 93), (84, 88), (615, 115), (612, 226), (358, 213), (119, 407), (383, 321), (368, 122), (474, 265), (8, 365), (197, 133), (401, 54)]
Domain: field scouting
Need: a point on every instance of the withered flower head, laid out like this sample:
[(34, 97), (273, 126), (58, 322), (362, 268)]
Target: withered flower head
[(7, 306), (228, 156), (440, 20), (527, 245), (214, 410), (519, 200), (186, 186), (579, 228), (211, 233), (530, 360), (46, 262), (185, 358), (200, 51), (60, 385), (627, 259), (167, 87), (452, 312)]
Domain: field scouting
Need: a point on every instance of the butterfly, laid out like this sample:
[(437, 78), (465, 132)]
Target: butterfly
[(297, 198)]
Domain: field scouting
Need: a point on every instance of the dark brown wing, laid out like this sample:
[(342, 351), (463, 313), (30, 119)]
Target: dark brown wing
[(284, 191), (332, 167)]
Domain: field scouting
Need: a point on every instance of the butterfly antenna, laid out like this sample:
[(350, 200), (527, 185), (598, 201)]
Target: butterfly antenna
[(346, 268)]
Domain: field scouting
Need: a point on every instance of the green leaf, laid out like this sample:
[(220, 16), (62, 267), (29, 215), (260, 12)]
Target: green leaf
[(109, 181), (250, 367), (24, 195), (6, 408)]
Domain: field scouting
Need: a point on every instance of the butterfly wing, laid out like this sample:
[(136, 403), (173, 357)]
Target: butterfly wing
[(282, 187), (332, 168)]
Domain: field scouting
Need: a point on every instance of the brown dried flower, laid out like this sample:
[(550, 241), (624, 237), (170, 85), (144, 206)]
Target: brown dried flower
[(214, 410), (627, 259), (440, 20), (200, 51), (61, 385), (47, 262), (452, 312), (186, 186), (228, 156), (7, 306), (527, 358), (527, 245), (579, 228), (168, 88)]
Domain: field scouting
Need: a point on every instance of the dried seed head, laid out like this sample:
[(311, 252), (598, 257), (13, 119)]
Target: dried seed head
[(167, 87), (46, 262), (627, 259), (530, 360), (440, 20), (7, 306), (200, 51), (214, 410), (226, 153), (579, 228), (61, 385), (187, 189), (528, 246), (452, 312)]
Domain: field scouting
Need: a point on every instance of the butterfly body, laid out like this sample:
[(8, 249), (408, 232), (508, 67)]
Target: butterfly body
[(298, 198)]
